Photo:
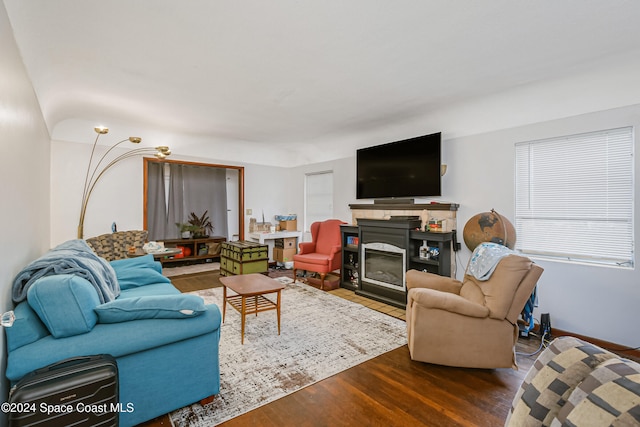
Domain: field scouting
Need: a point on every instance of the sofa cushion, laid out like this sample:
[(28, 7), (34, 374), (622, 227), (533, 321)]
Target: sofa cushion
[(610, 395), (64, 303), (179, 306), (552, 379), (133, 278)]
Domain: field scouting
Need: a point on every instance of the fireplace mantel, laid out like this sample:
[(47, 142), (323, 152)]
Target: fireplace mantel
[(406, 206), (446, 212)]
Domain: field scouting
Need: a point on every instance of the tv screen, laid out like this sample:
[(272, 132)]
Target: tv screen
[(407, 168)]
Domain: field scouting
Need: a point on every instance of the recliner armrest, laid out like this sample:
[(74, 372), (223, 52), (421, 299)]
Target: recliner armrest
[(421, 279), (430, 298)]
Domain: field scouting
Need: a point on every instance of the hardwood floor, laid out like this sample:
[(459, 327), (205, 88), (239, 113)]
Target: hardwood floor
[(393, 390)]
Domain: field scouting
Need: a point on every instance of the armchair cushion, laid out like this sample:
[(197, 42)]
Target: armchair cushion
[(316, 259), (64, 303), (179, 306), (498, 292)]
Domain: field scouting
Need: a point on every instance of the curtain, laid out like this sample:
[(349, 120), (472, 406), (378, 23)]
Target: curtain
[(205, 189), (191, 189), (156, 202), (175, 207)]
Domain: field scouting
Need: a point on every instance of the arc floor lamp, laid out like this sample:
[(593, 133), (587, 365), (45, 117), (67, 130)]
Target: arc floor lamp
[(95, 172)]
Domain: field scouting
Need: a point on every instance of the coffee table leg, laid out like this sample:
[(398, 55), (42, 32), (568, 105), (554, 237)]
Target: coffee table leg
[(224, 302), (278, 310), (244, 313)]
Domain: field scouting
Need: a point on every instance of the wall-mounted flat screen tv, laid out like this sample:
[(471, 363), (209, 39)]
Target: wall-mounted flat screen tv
[(407, 168)]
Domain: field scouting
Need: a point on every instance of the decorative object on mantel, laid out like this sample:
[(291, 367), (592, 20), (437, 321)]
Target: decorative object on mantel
[(93, 176), (489, 227)]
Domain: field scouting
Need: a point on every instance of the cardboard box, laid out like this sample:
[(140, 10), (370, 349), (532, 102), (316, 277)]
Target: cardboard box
[(291, 225), (283, 255), (286, 243)]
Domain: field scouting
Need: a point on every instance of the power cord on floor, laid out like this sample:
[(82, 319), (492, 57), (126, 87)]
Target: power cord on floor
[(542, 344)]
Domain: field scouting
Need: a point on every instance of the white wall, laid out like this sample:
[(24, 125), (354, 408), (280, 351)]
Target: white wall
[(24, 175), (599, 302), (118, 197), (344, 191)]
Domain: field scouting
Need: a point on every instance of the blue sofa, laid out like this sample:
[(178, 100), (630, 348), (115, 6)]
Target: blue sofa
[(165, 343)]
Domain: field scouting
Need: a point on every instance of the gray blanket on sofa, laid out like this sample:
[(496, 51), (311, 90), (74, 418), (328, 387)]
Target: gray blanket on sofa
[(71, 257)]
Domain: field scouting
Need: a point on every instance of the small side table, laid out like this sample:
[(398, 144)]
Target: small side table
[(249, 299)]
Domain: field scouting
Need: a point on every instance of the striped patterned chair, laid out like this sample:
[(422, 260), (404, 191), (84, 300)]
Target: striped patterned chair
[(114, 246)]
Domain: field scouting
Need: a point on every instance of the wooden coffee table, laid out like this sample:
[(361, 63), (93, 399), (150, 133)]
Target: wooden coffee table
[(249, 299)]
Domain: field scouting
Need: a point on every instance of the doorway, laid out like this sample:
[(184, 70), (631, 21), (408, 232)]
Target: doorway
[(157, 182)]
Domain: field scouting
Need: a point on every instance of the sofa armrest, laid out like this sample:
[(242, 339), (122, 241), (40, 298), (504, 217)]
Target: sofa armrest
[(431, 298), (421, 279)]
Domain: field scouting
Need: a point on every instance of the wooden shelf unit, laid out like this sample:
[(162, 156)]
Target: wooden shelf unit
[(349, 271), (195, 246), (442, 241)]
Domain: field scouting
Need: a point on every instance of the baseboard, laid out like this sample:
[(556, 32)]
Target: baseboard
[(621, 350)]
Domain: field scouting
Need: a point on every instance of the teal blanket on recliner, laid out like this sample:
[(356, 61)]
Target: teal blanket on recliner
[(71, 257)]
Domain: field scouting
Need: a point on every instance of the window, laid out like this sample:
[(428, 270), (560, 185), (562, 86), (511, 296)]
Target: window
[(318, 198), (574, 197)]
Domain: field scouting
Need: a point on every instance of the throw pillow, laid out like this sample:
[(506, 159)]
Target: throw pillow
[(64, 303), (180, 306)]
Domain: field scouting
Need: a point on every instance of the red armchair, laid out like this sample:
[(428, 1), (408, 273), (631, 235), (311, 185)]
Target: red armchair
[(323, 254)]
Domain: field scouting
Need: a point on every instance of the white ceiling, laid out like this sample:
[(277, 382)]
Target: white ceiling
[(243, 75)]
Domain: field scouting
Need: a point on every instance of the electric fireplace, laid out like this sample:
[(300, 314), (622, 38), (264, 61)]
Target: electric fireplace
[(384, 265)]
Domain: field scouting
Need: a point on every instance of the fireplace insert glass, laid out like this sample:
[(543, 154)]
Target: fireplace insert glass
[(384, 265)]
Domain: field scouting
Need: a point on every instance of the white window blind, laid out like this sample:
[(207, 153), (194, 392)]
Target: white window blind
[(574, 197), (318, 198)]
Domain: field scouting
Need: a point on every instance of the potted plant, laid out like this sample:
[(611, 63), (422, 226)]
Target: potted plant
[(186, 230), (201, 223)]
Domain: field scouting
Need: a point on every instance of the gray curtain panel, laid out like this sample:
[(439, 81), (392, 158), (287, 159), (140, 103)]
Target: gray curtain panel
[(205, 189), (156, 202), (191, 189)]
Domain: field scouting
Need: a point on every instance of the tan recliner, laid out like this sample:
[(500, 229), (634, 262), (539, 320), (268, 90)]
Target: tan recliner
[(472, 323)]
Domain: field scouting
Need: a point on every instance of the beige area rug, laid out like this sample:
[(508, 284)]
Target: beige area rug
[(322, 335), (190, 269)]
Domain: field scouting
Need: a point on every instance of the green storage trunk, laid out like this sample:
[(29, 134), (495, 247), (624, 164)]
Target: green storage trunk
[(243, 258)]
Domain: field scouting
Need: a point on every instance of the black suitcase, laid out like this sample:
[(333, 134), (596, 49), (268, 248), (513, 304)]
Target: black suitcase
[(81, 391)]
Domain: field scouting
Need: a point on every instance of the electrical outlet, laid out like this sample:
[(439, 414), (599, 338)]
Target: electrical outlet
[(545, 324), (249, 211)]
